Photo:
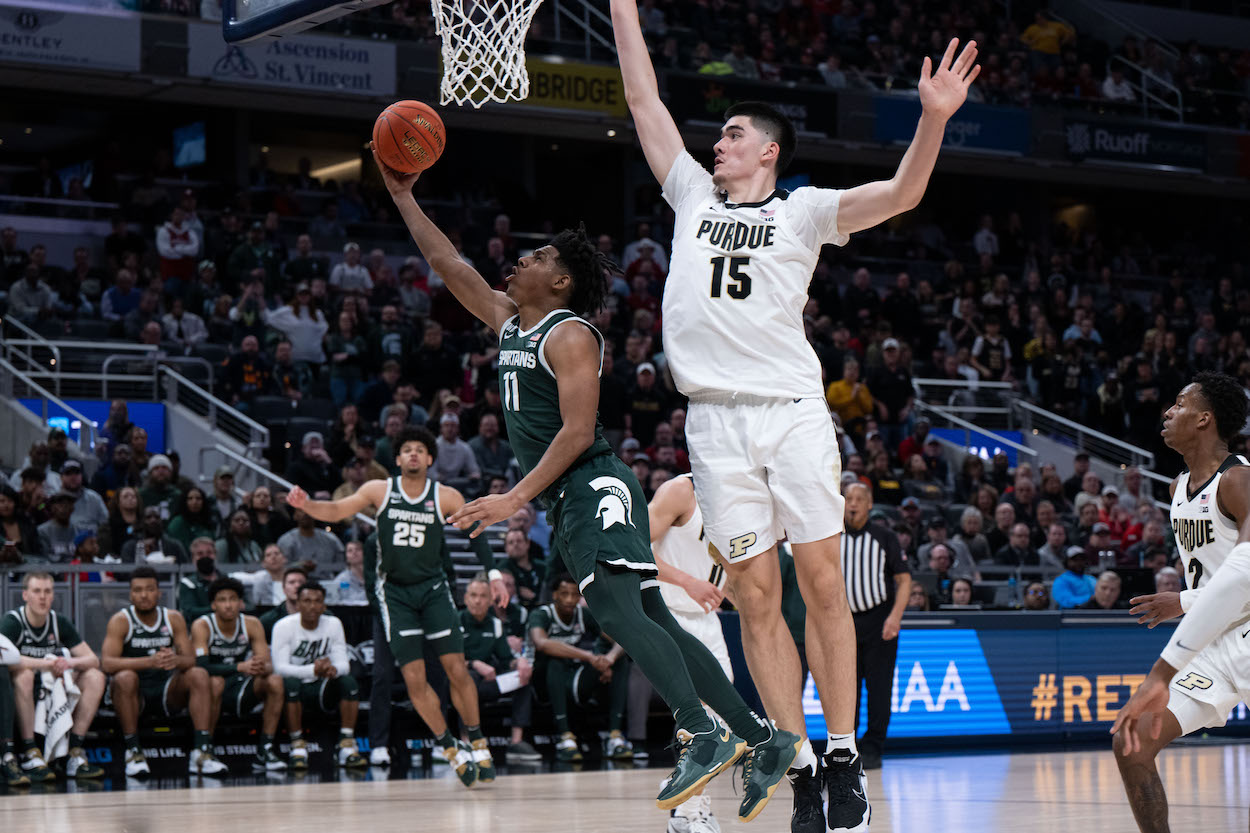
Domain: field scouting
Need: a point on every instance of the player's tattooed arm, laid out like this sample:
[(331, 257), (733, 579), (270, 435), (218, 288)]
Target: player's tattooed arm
[(657, 132)]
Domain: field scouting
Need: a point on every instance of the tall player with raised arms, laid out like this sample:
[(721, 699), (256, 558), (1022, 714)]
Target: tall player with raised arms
[(1204, 671), (550, 359), (762, 444)]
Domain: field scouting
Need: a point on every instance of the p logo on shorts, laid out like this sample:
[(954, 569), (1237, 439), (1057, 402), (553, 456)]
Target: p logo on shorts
[(617, 506), (740, 546)]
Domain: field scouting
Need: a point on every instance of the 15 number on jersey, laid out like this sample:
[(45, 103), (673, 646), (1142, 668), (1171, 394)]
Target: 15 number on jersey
[(741, 286)]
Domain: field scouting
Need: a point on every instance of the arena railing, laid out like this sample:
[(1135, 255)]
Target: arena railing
[(57, 207), (939, 414), (33, 341), (1148, 98), (14, 384), (1032, 418), (223, 416), (986, 402)]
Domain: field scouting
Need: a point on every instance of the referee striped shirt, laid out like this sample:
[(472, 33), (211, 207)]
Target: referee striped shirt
[(871, 557)]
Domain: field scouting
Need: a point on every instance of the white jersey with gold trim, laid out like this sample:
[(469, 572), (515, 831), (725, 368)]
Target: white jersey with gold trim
[(1204, 535), (685, 548), (737, 285)]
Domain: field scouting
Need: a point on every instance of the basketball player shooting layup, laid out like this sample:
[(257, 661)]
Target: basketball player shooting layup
[(1211, 646), (761, 440), (549, 379)]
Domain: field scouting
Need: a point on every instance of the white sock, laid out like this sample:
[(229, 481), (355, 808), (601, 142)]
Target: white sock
[(841, 742), (806, 757)]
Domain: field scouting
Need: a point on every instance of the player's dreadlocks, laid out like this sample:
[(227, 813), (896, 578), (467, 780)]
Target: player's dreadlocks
[(589, 268), (1227, 399)]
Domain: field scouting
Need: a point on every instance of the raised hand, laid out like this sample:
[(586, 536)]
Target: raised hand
[(943, 91), (396, 183), (296, 498)]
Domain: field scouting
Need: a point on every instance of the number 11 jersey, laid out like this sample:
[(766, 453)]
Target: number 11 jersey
[(737, 284)]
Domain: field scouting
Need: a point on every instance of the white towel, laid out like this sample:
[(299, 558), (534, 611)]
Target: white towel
[(9, 655), (54, 713)]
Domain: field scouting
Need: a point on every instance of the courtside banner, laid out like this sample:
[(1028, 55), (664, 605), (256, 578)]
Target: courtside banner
[(1046, 683), (69, 39), (1133, 143), (567, 85), (976, 127), (694, 97), (314, 63)]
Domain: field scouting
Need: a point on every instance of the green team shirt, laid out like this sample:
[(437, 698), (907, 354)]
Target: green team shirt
[(583, 626), (55, 635), (409, 546), (227, 650), (531, 399), (486, 640), (142, 641)]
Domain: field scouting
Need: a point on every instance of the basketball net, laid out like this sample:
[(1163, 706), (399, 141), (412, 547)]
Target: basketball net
[(483, 49)]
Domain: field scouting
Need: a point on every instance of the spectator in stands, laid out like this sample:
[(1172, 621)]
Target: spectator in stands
[(646, 403), (193, 598), (159, 489), (310, 542), (38, 459), (455, 463), (970, 524), (494, 455), (1018, 551), (265, 585), (850, 398), (351, 276), (1000, 531), (21, 538), (1167, 580), (269, 522), (252, 254), (1052, 491), (89, 511), (1080, 466), (125, 517), (348, 356), (195, 520), (970, 478), (247, 374), (528, 571), (303, 324), (887, 488), (152, 543), (892, 394), (348, 587), (1131, 493), (378, 394), (962, 564), (178, 245), (121, 298), (1152, 540), (147, 312), (1087, 519), (291, 380), (1115, 87), (919, 482), (30, 299), (1073, 587), (1051, 554), (305, 266), (392, 338), (237, 545), (56, 535), (1036, 597), (1023, 499), (353, 473), (1106, 593), (393, 421), (918, 597), (183, 328), (961, 592), (1100, 548), (347, 431), (225, 501), (313, 470)]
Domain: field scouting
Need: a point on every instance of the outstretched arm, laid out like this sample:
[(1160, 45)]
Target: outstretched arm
[(488, 305), (673, 503), (941, 94), (333, 511), (574, 357), (661, 141)]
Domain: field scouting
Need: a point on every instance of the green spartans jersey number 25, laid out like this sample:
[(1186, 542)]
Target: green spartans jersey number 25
[(410, 534), (531, 399)]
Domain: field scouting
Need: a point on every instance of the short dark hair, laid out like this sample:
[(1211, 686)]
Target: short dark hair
[(413, 434), (1227, 400), (312, 586), (225, 583), (587, 266), (771, 122), (143, 572), (562, 578), (295, 568)]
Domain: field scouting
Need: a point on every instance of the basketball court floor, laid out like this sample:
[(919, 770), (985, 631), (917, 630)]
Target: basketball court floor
[(1208, 786)]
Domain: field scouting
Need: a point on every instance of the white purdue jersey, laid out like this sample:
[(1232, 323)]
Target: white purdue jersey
[(737, 285), (1204, 535), (684, 547)]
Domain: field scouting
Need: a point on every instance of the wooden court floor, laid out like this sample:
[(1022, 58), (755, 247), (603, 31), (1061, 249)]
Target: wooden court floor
[(1208, 786)]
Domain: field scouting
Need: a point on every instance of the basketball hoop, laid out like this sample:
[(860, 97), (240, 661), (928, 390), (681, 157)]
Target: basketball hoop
[(483, 49)]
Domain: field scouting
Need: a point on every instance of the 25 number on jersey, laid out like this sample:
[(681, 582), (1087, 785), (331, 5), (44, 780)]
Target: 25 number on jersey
[(740, 286), (409, 535)]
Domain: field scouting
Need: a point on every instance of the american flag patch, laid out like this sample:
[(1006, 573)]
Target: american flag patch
[(534, 338), (1206, 497), (429, 504), (766, 214)]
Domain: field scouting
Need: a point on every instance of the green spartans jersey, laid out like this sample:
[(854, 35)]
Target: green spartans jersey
[(582, 626), (228, 649), (485, 641), (56, 635), (531, 400), (143, 641), (410, 535)]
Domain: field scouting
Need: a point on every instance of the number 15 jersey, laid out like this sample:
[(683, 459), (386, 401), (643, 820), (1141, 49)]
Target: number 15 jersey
[(737, 285)]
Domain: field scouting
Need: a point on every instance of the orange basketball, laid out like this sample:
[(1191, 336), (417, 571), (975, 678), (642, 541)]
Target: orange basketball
[(409, 136)]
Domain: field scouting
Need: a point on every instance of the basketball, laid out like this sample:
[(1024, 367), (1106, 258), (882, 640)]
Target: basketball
[(409, 136)]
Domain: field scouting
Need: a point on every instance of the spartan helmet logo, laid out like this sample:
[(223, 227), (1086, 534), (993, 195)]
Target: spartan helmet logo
[(616, 507)]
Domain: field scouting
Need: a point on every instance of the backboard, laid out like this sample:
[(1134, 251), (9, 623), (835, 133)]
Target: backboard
[(247, 20)]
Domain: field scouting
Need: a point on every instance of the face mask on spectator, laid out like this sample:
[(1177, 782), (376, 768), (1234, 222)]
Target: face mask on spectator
[(205, 565)]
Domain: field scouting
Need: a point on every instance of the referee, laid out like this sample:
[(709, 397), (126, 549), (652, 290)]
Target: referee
[(878, 581)]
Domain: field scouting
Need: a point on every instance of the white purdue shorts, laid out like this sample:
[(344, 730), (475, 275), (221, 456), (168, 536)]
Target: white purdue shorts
[(1210, 687), (705, 627), (763, 468)]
